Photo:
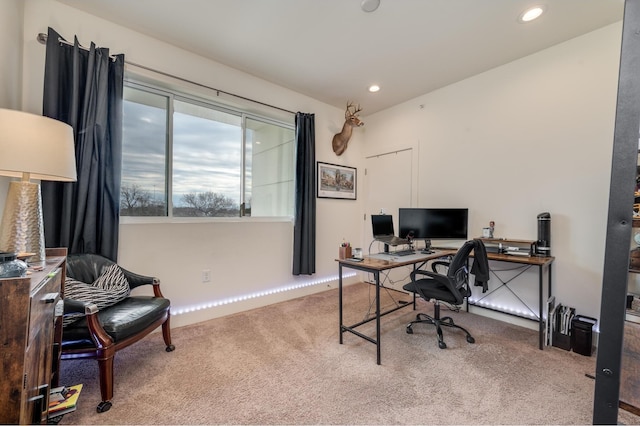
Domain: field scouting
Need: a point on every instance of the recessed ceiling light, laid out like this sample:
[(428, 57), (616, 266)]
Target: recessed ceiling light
[(531, 14), (374, 88), (369, 5)]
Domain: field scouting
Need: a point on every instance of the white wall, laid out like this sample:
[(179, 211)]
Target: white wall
[(244, 258), (10, 67), (11, 53), (532, 136)]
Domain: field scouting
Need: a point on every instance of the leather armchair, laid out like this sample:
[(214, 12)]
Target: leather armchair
[(101, 333)]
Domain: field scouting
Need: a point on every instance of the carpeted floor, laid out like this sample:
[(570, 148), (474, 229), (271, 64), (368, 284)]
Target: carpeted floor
[(282, 364)]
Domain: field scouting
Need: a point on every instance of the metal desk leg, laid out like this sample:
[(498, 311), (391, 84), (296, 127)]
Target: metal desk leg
[(549, 279), (540, 291), (340, 299), (549, 269), (540, 317), (377, 277)]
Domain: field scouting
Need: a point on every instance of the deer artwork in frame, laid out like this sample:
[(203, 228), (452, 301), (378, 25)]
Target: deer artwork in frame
[(351, 120)]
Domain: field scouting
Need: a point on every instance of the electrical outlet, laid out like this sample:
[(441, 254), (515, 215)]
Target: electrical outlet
[(206, 275)]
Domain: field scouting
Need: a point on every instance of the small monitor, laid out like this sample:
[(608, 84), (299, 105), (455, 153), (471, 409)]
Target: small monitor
[(382, 224)]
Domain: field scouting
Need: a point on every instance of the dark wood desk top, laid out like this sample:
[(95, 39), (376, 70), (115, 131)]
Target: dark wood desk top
[(380, 262), (526, 260)]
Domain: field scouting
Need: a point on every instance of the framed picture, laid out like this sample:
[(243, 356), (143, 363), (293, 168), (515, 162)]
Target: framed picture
[(336, 181)]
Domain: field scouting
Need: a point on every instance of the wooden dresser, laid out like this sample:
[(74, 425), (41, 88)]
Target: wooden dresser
[(30, 335)]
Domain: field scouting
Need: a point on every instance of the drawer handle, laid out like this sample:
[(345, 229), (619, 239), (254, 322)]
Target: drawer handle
[(50, 297)]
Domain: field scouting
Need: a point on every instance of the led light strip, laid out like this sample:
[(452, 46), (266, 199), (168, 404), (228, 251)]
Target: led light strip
[(216, 303), (504, 309)]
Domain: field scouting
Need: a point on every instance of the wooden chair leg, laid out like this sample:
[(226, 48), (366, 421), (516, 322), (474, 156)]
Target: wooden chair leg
[(105, 365), (166, 334)]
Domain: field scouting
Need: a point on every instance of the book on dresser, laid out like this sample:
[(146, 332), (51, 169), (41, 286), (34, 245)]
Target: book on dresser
[(64, 401)]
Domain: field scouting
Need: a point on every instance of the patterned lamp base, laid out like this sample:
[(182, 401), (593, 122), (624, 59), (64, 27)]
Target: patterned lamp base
[(22, 229)]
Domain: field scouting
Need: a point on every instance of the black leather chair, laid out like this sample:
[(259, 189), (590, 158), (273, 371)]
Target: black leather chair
[(101, 333), (450, 286)]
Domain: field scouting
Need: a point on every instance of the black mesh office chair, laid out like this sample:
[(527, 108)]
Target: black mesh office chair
[(451, 286)]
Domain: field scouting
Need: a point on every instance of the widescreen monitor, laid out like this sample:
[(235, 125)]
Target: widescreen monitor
[(434, 223)]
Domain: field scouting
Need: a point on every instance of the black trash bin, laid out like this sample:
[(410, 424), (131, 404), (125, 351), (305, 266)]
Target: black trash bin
[(582, 334)]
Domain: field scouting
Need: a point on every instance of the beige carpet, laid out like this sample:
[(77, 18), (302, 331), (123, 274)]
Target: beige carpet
[(282, 364)]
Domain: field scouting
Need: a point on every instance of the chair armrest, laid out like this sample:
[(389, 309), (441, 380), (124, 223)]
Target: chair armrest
[(136, 280), (90, 310), (443, 279), (436, 263), (100, 337), (72, 306)]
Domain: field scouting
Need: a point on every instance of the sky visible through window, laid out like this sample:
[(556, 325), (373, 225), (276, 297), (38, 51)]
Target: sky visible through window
[(144, 148), (206, 153), (206, 157)]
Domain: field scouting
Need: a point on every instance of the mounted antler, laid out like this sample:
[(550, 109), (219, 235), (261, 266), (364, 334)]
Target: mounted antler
[(351, 120)]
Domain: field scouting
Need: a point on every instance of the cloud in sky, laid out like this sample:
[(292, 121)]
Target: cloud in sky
[(206, 153)]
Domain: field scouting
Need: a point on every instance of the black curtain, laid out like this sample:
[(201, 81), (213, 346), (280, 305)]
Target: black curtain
[(83, 87), (304, 231)]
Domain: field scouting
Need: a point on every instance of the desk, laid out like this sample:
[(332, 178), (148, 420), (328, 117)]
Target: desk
[(375, 265), (527, 261)]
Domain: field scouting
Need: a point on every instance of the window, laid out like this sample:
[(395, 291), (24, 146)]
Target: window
[(207, 159), (187, 157), (144, 153), (268, 189)]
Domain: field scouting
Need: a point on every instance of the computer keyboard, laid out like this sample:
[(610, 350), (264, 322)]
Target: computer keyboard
[(402, 253)]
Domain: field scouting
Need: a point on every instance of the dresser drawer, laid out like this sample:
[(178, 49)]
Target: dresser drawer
[(43, 302)]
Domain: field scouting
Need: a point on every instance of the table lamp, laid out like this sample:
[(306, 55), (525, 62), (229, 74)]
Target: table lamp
[(31, 147)]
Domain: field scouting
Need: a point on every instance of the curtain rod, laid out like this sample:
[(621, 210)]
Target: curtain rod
[(42, 39)]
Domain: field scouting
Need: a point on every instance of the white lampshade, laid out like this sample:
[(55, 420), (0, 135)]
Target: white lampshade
[(31, 147), (37, 145)]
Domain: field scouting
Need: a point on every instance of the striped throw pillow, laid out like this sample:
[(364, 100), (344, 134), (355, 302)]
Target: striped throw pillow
[(108, 289)]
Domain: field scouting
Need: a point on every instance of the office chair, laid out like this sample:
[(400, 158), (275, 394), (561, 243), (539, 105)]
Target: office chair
[(451, 286)]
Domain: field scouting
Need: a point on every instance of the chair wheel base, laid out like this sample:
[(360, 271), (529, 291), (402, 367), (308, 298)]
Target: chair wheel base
[(103, 406), (439, 322), (170, 348)]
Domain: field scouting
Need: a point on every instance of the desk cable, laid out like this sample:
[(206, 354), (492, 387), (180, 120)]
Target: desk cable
[(386, 279)]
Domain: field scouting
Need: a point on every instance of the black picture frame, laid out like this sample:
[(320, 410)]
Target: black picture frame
[(336, 181)]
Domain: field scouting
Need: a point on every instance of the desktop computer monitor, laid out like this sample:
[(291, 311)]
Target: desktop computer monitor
[(434, 223), (412, 223)]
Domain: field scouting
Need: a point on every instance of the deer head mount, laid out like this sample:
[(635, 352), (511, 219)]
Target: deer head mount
[(351, 120)]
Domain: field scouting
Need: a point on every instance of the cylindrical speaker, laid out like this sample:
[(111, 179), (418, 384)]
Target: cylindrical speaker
[(543, 245)]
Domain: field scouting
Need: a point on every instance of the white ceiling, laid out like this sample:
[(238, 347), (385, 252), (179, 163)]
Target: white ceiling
[(332, 51)]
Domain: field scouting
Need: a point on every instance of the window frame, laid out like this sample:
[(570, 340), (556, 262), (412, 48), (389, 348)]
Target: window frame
[(175, 92)]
